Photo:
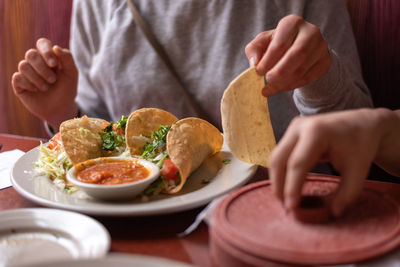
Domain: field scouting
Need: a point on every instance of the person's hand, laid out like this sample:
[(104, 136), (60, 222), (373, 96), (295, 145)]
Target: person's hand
[(290, 56), (46, 82), (350, 140)]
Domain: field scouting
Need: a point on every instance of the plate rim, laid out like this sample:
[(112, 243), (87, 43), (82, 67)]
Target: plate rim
[(120, 212), (21, 217)]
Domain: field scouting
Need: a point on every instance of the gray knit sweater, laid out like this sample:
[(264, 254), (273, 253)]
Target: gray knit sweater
[(205, 39)]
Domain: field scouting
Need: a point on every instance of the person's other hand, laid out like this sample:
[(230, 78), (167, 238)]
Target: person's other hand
[(290, 56), (46, 82), (350, 140)]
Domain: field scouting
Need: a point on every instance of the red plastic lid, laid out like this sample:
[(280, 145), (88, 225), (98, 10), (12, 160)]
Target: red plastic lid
[(253, 222)]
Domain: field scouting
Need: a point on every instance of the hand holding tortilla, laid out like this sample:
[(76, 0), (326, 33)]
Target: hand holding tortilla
[(290, 56), (245, 119)]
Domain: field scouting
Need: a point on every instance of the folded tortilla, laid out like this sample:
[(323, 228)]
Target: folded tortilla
[(246, 120)]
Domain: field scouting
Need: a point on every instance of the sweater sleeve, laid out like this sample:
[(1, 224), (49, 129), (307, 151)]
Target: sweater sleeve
[(343, 86), (84, 44)]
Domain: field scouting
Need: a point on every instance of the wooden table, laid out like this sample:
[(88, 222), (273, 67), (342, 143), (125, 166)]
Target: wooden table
[(151, 235)]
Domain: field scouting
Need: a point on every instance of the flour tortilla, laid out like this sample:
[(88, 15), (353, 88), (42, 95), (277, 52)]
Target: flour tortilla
[(189, 142), (142, 123), (246, 121), (80, 138)]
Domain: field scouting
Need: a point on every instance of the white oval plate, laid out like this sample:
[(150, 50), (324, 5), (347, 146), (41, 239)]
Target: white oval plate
[(222, 179), (120, 260), (39, 235)]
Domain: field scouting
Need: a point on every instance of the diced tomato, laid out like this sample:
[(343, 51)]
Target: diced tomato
[(54, 143), (118, 131), (169, 170), (104, 124)]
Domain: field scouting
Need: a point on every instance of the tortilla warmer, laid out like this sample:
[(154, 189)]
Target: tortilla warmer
[(251, 227)]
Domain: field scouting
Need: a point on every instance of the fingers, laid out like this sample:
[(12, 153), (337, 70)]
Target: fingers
[(350, 185), (282, 40), (37, 62), (37, 72), (67, 62), (32, 76), (257, 47), (308, 150), (278, 159), (293, 55), (45, 48), (297, 152), (308, 48), (21, 84)]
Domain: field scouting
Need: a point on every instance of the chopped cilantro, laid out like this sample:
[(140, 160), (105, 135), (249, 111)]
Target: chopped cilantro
[(122, 122), (226, 161), (151, 150), (111, 139)]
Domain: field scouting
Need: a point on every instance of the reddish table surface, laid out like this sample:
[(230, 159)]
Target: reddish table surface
[(151, 235)]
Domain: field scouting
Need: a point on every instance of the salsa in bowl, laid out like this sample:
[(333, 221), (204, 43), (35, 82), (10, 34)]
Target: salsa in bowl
[(113, 178)]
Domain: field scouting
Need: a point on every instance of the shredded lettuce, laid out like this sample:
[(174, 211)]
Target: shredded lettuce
[(52, 163)]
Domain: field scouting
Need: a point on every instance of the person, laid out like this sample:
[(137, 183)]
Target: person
[(351, 140), (305, 48)]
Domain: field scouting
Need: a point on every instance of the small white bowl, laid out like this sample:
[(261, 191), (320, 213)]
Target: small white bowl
[(118, 191)]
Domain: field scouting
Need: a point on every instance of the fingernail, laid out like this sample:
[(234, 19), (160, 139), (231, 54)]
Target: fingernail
[(52, 62), (45, 87), (51, 79), (290, 203), (252, 61)]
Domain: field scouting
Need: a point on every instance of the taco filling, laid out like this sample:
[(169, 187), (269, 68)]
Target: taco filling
[(156, 152)]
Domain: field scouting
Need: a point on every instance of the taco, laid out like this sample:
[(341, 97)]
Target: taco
[(79, 139), (140, 125), (177, 146)]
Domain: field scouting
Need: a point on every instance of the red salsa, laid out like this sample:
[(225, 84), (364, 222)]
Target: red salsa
[(109, 171)]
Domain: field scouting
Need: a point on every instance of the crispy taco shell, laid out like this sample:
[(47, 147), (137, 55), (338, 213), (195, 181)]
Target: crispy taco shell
[(189, 142), (81, 139), (142, 123)]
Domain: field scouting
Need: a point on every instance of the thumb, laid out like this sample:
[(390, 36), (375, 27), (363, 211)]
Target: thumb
[(257, 47), (67, 62), (350, 186)]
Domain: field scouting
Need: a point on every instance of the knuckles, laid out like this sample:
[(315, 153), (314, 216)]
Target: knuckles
[(31, 55), (23, 66)]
